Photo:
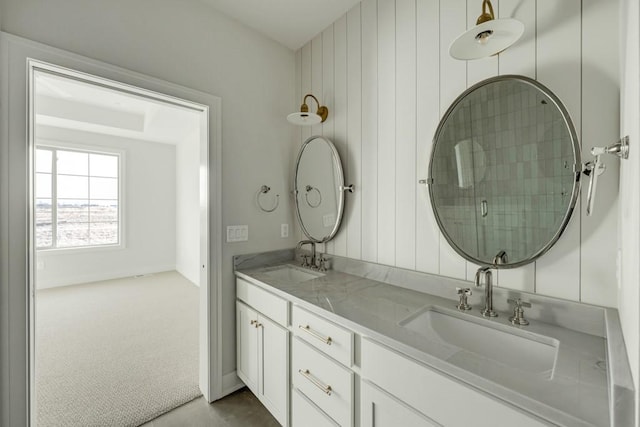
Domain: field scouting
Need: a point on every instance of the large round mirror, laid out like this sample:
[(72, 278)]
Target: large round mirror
[(319, 189), (504, 171)]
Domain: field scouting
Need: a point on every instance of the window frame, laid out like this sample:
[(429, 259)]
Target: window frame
[(54, 145)]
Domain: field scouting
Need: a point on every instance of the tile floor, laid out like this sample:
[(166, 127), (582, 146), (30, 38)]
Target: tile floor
[(240, 409)]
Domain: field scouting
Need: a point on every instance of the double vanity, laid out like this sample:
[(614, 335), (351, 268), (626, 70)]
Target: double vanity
[(350, 347), (360, 344)]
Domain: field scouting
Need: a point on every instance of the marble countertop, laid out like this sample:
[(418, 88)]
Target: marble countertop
[(575, 393)]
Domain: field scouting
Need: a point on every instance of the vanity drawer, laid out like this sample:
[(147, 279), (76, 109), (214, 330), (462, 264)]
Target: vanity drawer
[(305, 413), (272, 306), (324, 335), (325, 382), (435, 395)]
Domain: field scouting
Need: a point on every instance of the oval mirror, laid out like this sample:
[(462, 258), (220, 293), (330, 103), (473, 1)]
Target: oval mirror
[(318, 189), (504, 171)]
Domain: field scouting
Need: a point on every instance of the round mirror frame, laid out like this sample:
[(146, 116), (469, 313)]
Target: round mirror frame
[(577, 169), (338, 166)]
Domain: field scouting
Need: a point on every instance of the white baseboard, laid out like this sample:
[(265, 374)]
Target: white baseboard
[(103, 275), (231, 383)]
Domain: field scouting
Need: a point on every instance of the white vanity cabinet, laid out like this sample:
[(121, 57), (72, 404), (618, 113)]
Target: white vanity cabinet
[(412, 389), (247, 345), (305, 413), (308, 371), (379, 409), (263, 348), (321, 375)]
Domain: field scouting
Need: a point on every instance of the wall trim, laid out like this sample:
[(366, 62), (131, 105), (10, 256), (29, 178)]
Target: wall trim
[(231, 383), (98, 277), (15, 252)]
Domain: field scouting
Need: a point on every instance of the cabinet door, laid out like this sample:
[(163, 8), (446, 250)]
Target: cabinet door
[(273, 371), (247, 346), (378, 409)]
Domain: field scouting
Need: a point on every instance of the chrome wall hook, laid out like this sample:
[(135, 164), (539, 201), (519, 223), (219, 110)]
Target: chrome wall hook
[(264, 190)]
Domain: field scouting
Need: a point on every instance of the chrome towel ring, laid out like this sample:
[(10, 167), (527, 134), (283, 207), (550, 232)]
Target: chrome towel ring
[(264, 190), (309, 189)]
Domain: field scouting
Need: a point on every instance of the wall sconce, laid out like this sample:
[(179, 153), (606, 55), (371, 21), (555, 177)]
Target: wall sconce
[(304, 117), (489, 37)]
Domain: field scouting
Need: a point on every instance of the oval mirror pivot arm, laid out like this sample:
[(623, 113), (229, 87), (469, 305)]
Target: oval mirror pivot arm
[(349, 188)]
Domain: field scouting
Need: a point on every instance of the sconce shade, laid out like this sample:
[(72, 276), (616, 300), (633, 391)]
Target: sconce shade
[(304, 117), (487, 39)]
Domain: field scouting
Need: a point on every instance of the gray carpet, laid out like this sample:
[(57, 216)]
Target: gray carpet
[(116, 353)]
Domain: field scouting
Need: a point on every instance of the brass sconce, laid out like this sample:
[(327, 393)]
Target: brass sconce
[(304, 117), (489, 37)]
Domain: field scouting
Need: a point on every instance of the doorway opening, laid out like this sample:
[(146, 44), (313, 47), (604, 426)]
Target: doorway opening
[(119, 217)]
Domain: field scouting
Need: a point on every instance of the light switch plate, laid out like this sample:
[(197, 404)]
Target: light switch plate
[(284, 230), (237, 233)]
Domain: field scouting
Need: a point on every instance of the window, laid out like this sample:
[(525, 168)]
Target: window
[(77, 198)]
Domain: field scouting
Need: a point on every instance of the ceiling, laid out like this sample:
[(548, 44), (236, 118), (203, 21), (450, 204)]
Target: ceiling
[(289, 22), (66, 103)]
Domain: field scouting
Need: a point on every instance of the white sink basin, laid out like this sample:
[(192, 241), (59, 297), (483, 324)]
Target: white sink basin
[(289, 273), (486, 339)]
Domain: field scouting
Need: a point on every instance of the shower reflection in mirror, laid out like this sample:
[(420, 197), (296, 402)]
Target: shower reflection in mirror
[(501, 173)]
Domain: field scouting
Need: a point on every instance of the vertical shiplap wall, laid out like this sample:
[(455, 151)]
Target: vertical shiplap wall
[(384, 71)]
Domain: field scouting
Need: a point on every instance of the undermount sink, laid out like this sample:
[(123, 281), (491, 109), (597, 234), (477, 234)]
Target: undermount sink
[(486, 339), (290, 273)]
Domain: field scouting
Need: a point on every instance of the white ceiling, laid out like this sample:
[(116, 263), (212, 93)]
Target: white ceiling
[(71, 104), (289, 22)]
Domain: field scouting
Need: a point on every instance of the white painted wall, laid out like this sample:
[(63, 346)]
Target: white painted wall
[(193, 45), (629, 230), (384, 71), (188, 207), (149, 195)]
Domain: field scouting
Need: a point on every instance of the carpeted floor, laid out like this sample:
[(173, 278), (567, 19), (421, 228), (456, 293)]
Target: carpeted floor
[(116, 353)]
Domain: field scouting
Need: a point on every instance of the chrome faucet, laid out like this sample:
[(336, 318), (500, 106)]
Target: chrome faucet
[(305, 262), (487, 311), (500, 258)]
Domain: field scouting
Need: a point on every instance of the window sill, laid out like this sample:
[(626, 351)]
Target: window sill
[(80, 250)]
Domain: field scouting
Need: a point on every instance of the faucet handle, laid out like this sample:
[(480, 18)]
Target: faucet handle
[(322, 264), (518, 312), (519, 303), (463, 293), (305, 260)]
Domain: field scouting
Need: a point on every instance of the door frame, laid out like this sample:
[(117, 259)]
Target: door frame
[(19, 58)]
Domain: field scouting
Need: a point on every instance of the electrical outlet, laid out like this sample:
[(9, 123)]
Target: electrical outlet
[(284, 230)]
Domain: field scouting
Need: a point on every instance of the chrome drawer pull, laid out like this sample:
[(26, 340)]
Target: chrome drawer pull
[(316, 382), (307, 329)]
